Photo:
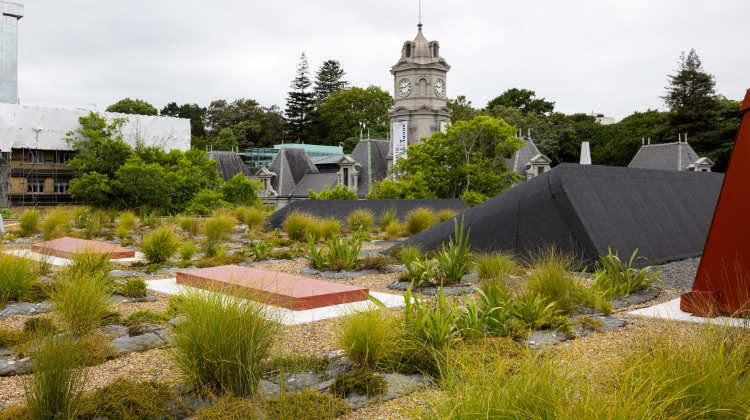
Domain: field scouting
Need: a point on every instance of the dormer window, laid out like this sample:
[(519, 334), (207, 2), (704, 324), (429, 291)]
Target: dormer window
[(408, 50), (434, 50)]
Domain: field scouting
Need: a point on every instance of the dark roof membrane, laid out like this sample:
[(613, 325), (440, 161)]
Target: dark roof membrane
[(586, 209)]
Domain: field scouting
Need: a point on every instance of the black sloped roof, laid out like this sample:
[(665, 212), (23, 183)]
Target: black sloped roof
[(291, 164), (230, 164), (522, 156), (587, 209), (315, 182), (342, 208), (371, 154)]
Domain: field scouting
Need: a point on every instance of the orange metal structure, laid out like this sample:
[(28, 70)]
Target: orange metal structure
[(722, 285)]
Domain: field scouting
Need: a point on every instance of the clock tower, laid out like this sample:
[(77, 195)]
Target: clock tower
[(419, 81)]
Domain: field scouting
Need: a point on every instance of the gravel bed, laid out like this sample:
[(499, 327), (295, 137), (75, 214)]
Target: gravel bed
[(677, 275)]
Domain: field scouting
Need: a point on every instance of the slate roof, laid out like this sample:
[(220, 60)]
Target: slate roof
[(585, 209), (325, 160), (666, 156), (315, 182), (291, 164), (371, 154), (230, 164), (519, 160)]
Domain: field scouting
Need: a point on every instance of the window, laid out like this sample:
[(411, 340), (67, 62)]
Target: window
[(265, 184), (346, 177), (62, 158), (540, 170), (36, 156), (35, 188), (408, 50), (61, 187), (434, 50)]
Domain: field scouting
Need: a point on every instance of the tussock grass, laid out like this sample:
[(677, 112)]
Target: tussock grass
[(419, 220), (295, 225), (393, 230), (29, 220), (86, 263), (330, 226), (224, 341), (16, 276), (215, 229), (55, 224), (159, 245), (250, 216), (446, 214), (303, 405), (189, 224), (187, 250), (54, 391), (495, 265), (125, 399), (125, 224), (550, 277), (388, 216), (82, 301), (93, 226), (361, 219), (368, 336)]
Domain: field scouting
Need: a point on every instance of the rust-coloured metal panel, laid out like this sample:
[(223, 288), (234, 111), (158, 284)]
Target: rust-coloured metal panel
[(69, 247), (722, 285), (279, 289)]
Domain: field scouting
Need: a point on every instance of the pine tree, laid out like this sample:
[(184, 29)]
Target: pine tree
[(692, 101), (300, 103), (328, 79)]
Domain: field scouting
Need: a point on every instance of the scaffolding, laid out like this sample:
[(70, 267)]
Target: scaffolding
[(33, 171)]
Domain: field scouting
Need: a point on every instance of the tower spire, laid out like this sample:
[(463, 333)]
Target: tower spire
[(419, 25)]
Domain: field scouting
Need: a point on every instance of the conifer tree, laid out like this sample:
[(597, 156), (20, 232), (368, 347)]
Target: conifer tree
[(300, 103), (328, 79), (692, 101)]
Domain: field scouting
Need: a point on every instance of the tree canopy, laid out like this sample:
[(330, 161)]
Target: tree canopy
[(300, 104), (523, 100), (338, 192), (130, 106), (329, 79), (347, 111)]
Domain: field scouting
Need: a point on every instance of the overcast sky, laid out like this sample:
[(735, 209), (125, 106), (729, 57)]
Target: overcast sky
[(611, 57)]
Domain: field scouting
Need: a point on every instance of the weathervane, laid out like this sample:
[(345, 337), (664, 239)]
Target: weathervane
[(419, 25)]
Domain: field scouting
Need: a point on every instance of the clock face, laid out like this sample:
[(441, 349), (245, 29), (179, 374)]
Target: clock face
[(404, 87), (439, 87)]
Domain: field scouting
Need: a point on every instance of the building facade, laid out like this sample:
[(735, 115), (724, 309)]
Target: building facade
[(12, 13), (420, 91)]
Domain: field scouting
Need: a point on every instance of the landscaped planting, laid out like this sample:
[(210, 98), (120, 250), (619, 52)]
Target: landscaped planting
[(474, 327)]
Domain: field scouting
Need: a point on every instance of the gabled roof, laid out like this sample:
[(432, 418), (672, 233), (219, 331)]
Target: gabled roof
[(540, 158), (665, 156), (230, 164), (315, 182), (346, 159), (325, 160), (704, 161), (371, 154), (519, 160), (263, 171), (290, 165)]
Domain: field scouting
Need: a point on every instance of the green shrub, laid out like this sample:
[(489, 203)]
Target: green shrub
[(533, 310), (125, 399), (28, 221), (290, 362), (82, 301), (205, 202), (224, 341), (241, 191), (39, 327), (93, 227), (54, 391), (316, 229), (550, 277), (367, 336), (362, 381), (337, 254), (261, 251), (419, 220), (215, 229), (303, 405), (55, 224), (361, 219), (388, 216), (147, 316), (159, 245), (414, 356), (339, 192), (433, 321), (134, 288), (16, 274), (187, 250), (455, 260), (377, 262), (446, 214), (189, 224), (80, 216), (361, 235), (295, 225), (10, 338), (624, 279)]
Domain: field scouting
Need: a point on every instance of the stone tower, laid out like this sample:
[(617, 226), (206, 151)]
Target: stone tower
[(420, 83)]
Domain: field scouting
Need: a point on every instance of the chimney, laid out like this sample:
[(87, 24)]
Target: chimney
[(643, 141), (649, 141), (529, 132), (585, 154), (685, 137)]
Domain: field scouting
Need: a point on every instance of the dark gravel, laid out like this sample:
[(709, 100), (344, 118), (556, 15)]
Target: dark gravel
[(678, 275)]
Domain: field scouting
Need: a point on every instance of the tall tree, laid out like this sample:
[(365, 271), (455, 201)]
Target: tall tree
[(300, 104), (692, 101), (130, 106), (722, 139), (193, 112), (347, 111), (523, 100), (328, 79), (462, 109)]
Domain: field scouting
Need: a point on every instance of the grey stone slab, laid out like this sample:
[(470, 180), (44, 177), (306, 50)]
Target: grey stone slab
[(12, 367), (540, 339), (138, 343), (268, 388), (25, 309), (167, 271), (294, 381), (394, 268), (638, 297), (309, 271), (123, 274), (269, 262), (114, 331), (130, 299), (454, 290), (342, 275)]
